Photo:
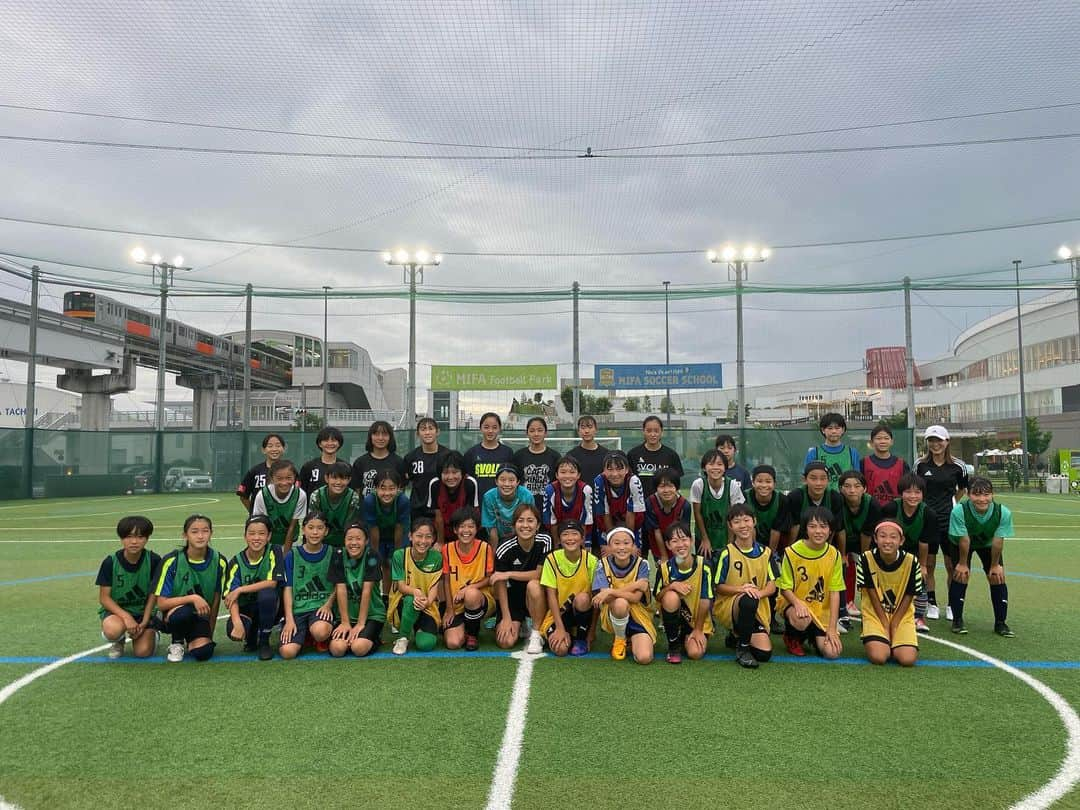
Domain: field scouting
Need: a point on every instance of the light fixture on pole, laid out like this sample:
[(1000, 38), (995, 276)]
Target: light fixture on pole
[(412, 264), (737, 260), (1071, 256), (325, 355), (667, 347)]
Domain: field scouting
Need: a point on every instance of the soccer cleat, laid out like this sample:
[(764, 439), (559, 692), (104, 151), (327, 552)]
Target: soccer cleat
[(266, 652), (579, 648), (794, 645), (490, 623), (618, 649), (948, 613), (401, 646), (932, 612), (745, 659), (843, 624), (921, 626), (116, 649), (175, 653), (472, 643), (535, 644), (959, 627), (730, 641), (674, 656), (775, 627), (1004, 630), (853, 609)]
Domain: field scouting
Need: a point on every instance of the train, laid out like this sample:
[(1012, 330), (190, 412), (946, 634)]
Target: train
[(91, 306)]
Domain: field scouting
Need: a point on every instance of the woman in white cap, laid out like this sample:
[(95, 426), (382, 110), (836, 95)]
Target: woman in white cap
[(946, 482)]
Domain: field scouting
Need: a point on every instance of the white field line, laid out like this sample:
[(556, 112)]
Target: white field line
[(501, 794), (175, 542), (200, 502)]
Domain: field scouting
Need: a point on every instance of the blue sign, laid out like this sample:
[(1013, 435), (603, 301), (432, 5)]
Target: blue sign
[(688, 375)]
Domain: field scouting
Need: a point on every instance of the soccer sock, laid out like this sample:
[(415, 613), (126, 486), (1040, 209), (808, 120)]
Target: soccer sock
[(582, 620), (849, 580), (425, 642), (772, 608), (931, 597), (746, 619), (408, 617), (473, 617), (957, 594), (999, 598), (920, 605), (673, 628), (618, 626), (180, 622), (266, 602)]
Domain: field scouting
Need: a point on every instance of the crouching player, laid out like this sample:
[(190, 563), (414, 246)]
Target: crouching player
[(621, 591), (516, 581), (743, 584), (356, 572), (567, 578), (251, 588), (812, 582), (414, 602), (684, 590), (468, 564), (126, 589), (889, 578), (309, 593)]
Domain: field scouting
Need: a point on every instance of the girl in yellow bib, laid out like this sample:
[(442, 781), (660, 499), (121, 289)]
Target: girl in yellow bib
[(414, 602), (621, 591), (567, 577), (889, 577), (744, 580), (468, 564), (811, 581), (684, 590)]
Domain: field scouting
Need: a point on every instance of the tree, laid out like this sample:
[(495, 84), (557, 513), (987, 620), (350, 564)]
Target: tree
[(666, 406), (1038, 441), (732, 410), (631, 404), (538, 398), (600, 405), (646, 404), (567, 397), (306, 420), (897, 420)]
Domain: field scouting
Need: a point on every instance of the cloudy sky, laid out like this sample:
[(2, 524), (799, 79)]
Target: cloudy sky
[(457, 125)]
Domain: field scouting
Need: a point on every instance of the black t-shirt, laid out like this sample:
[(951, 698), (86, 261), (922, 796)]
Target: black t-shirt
[(420, 469), (832, 500), (942, 481), (645, 463), (537, 470), (254, 479), (591, 461), (367, 468), (482, 464), (510, 556), (313, 474), (105, 571)]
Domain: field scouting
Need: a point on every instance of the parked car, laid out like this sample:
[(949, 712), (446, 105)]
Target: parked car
[(178, 478)]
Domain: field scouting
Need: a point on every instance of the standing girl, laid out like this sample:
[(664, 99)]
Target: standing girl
[(497, 513), (482, 461), (381, 456), (618, 500), (189, 590), (450, 491), (568, 497), (537, 462), (711, 496)]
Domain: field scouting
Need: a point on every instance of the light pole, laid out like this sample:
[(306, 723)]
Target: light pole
[(1020, 360), (737, 261), (412, 265), (162, 274), (1072, 257), (667, 347), (325, 356)]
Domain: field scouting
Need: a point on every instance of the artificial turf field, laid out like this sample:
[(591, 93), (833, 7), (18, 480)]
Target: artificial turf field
[(426, 730)]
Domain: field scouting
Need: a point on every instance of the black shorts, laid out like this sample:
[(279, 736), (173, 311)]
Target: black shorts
[(939, 539), (567, 614), (426, 624), (633, 629), (199, 628), (983, 554), (303, 624), (515, 597), (372, 632)]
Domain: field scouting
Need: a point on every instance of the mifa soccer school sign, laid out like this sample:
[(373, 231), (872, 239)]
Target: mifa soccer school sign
[(494, 378), (688, 375)]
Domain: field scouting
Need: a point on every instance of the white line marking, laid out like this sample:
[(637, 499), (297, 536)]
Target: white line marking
[(200, 502), (30, 677), (6, 805), (1068, 775), (501, 794), (170, 540)]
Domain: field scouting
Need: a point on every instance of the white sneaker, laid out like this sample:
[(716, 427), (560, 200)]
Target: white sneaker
[(842, 626), (175, 653), (393, 629), (116, 649), (535, 646), (948, 613), (401, 646), (932, 612)]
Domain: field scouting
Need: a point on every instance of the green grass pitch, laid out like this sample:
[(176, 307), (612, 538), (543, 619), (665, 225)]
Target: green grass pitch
[(425, 731)]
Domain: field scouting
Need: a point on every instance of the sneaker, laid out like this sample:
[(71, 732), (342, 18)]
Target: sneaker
[(266, 652), (116, 649), (843, 624), (794, 645), (959, 627), (853, 609), (932, 612), (775, 627), (921, 626), (393, 630), (674, 656), (618, 649), (472, 643), (579, 648), (535, 644), (745, 659), (948, 613), (1004, 630), (401, 646), (490, 624), (175, 653)]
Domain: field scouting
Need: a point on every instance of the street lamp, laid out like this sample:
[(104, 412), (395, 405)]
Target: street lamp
[(325, 356), (161, 274), (737, 260), (412, 265), (1071, 256), (1020, 360)]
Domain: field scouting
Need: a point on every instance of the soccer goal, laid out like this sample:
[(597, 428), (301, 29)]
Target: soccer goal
[(560, 444)]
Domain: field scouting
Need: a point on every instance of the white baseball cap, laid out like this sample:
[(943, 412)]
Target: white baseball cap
[(936, 432)]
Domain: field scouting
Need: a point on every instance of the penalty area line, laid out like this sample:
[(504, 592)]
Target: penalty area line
[(501, 793)]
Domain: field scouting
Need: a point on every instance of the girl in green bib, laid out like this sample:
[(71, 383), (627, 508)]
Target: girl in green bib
[(189, 591), (356, 574), (309, 593)]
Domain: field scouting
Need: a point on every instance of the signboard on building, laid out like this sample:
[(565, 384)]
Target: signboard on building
[(685, 375), (494, 378)]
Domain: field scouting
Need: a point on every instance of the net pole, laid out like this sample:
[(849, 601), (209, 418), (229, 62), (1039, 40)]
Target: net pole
[(576, 289), (245, 419), (909, 370), (31, 383)]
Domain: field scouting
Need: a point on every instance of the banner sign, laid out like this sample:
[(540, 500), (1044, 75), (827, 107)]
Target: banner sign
[(494, 378), (688, 375)]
